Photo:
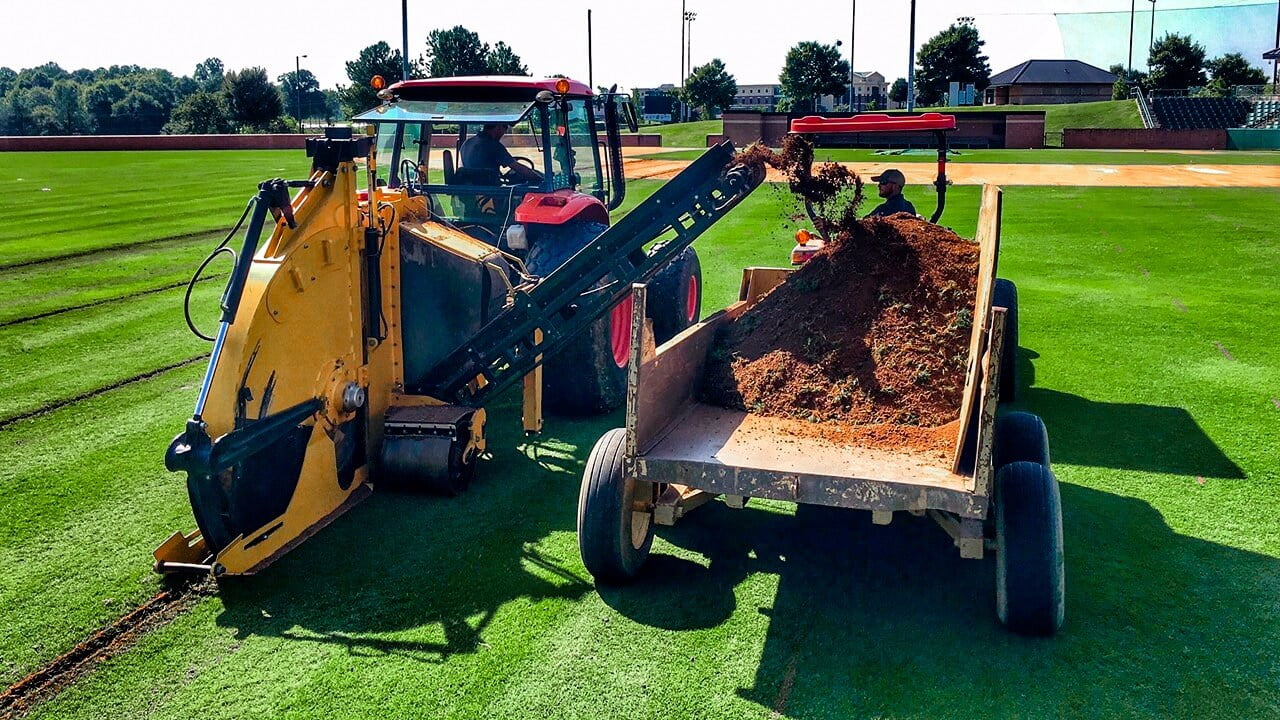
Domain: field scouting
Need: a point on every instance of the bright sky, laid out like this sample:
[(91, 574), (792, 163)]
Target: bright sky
[(636, 44)]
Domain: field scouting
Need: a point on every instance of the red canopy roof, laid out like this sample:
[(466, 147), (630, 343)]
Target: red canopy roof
[(873, 123), (513, 82)]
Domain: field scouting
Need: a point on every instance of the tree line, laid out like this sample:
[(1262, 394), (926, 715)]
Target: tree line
[(812, 70), (133, 100)]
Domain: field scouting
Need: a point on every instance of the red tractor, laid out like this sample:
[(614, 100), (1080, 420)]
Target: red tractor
[(539, 219)]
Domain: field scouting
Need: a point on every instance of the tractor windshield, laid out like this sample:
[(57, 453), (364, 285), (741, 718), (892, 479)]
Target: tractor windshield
[(447, 111)]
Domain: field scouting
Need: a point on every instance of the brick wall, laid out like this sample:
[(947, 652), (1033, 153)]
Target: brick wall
[(1154, 139), (228, 142)]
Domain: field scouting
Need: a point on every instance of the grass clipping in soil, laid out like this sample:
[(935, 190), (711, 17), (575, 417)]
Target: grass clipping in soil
[(868, 340)]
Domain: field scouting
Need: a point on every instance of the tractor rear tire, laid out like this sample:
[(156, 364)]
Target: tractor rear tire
[(584, 378), (1005, 295), (1021, 437), (613, 537), (675, 295), (1030, 577)]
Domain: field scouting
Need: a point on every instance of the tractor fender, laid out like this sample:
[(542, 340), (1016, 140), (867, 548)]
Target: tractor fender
[(560, 207)]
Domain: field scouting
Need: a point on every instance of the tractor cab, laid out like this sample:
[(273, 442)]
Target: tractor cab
[(552, 126)]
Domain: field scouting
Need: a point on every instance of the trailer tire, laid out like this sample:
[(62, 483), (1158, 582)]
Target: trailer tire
[(612, 543), (585, 377), (1005, 295), (1030, 577), (1021, 437), (675, 295)]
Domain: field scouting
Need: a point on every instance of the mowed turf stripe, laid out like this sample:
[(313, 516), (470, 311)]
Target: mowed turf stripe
[(108, 199), (49, 362), (87, 498), (477, 607), (121, 298)]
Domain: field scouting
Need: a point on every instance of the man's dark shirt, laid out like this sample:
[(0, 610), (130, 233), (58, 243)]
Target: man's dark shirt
[(481, 152), (895, 204)]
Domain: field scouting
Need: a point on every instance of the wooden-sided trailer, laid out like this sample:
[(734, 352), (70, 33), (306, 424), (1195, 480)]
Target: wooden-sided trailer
[(676, 453)]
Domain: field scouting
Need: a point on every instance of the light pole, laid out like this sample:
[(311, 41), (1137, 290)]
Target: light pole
[(404, 39), (297, 85), (853, 35), (1152, 45), (1133, 7), (684, 20), (689, 17), (911, 62)]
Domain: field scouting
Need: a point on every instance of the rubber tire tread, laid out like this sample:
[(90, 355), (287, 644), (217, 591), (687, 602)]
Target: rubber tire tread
[(1005, 295), (1030, 576), (668, 296), (1021, 437), (604, 518), (582, 379)]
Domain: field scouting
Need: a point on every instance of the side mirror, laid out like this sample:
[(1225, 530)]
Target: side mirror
[(545, 97)]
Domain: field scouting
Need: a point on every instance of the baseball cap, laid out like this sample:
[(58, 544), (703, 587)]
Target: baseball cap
[(892, 175)]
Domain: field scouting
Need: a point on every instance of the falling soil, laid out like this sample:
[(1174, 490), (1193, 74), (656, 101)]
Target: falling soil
[(869, 339)]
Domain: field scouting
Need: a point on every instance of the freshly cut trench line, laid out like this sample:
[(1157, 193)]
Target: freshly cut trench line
[(96, 303), (96, 250), (114, 639), (6, 422)]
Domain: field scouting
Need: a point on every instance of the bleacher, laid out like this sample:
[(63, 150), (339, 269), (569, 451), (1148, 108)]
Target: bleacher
[(1196, 113), (1264, 113)]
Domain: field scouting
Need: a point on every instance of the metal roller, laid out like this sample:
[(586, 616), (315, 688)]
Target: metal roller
[(424, 448)]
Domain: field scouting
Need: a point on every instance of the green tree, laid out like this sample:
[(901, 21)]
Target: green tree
[(100, 98), (377, 59), (1232, 69), (710, 87), (1125, 81), (332, 109), (201, 113), (302, 86), (953, 55), (1176, 62), (69, 110), (15, 112), (253, 101), (139, 114), (209, 74), (8, 78), (502, 60), (455, 52), (812, 70), (898, 90)]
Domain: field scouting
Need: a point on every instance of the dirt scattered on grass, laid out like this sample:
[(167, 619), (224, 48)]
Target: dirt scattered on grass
[(46, 682), (868, 340)]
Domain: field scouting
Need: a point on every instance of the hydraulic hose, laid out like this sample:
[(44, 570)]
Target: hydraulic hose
[(218, 250)]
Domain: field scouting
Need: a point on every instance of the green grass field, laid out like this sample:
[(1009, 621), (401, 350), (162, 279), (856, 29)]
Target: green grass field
[(1144, 349)]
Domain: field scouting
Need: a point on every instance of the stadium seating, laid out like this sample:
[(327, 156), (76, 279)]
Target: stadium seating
[(1264, 114), (1194, 113)]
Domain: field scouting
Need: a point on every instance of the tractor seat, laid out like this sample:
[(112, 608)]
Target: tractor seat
[(474, 176)]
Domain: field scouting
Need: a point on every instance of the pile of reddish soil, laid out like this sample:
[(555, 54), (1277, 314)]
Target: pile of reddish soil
[(869, 338)]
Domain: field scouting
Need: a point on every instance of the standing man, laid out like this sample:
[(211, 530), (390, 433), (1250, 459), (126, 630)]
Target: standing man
[(891, 182)]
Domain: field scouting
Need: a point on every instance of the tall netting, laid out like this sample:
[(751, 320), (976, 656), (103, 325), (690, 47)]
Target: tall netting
[(1102, 38)]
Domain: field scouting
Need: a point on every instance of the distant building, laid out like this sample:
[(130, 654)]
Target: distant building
[(869, 91), (1049, 82), (763, 98)]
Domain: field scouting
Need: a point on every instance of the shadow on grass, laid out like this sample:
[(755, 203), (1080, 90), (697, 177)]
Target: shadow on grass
[(1123, 436), (423, 577), (889, 621)]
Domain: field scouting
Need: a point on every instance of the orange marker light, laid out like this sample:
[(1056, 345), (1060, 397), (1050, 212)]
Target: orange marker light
[(802, 236), (562, 86), (377, 82)]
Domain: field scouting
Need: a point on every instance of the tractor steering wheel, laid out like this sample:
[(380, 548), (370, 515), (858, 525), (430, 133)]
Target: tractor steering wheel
[(510, 178)]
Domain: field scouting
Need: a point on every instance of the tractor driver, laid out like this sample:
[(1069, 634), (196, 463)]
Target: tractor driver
[(485, 151), (891, 182)]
